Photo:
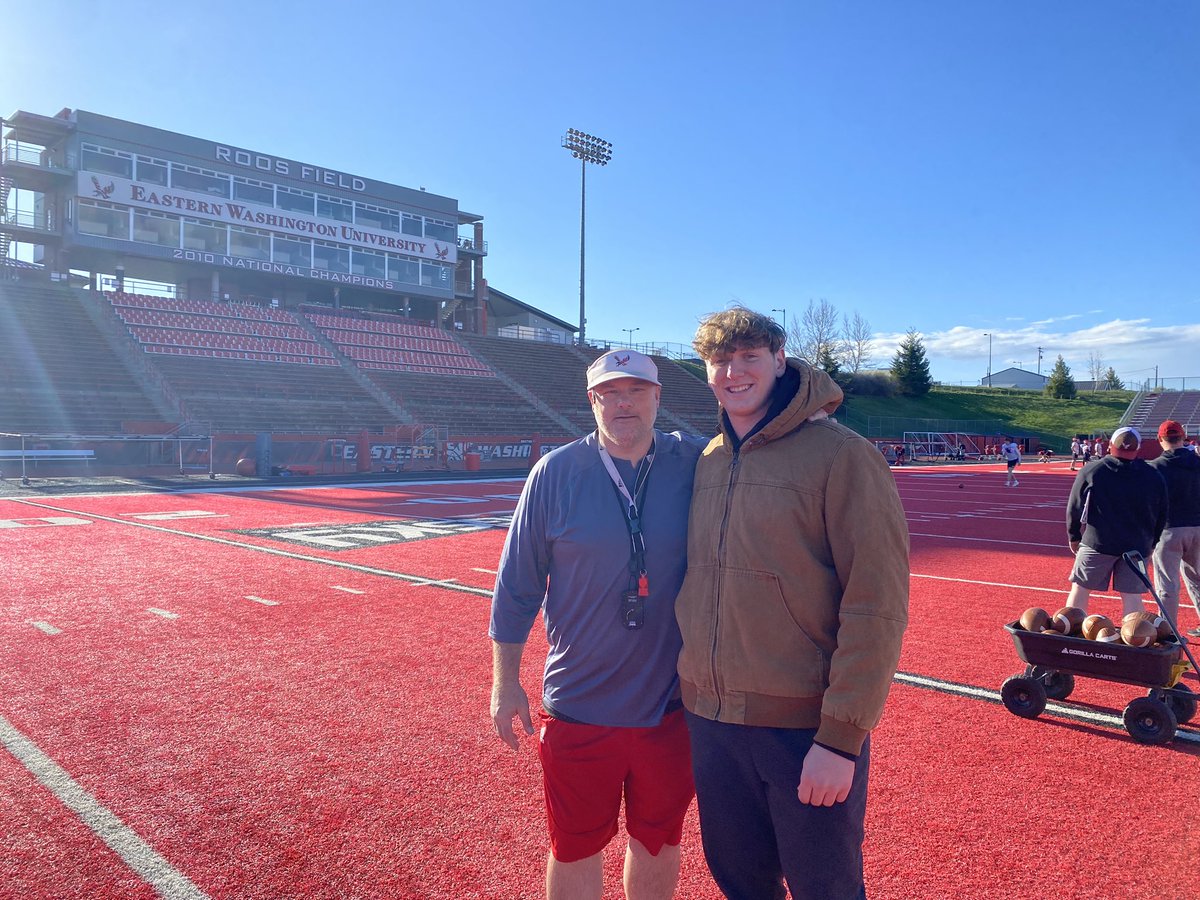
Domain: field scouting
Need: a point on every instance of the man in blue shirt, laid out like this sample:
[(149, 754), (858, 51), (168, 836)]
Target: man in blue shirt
[(598, 544)]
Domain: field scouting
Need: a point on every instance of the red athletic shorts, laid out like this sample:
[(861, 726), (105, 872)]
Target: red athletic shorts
[(587, 769)]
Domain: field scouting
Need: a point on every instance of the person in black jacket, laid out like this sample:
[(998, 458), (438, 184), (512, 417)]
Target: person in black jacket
[(1118, 503), (1178, 550)]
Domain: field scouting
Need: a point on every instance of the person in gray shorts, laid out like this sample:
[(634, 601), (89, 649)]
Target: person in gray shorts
[(1118, 503)]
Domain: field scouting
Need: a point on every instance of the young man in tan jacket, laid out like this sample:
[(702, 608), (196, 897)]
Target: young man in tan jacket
[(792, 613)]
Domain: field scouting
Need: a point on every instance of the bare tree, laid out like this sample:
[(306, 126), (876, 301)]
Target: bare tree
[(817, 332), (857, 345), (1096, 368)]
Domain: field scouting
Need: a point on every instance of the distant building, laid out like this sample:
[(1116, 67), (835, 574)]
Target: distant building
[(1015, 378)]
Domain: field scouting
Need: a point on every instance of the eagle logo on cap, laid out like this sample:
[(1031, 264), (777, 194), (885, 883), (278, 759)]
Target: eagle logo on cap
[(622, 360)]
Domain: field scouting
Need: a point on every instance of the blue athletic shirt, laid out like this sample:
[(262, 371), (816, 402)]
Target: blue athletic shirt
[(568, 552)]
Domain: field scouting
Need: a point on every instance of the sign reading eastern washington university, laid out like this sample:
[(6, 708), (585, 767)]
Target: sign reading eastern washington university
[(203, 206)]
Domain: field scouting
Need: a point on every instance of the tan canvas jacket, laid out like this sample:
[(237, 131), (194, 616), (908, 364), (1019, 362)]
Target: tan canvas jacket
[(796, 594)]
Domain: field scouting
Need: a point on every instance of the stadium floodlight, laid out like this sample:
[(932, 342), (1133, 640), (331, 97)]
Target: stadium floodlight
[(630, 331), (587, 148), (989, 337), (785, 340)]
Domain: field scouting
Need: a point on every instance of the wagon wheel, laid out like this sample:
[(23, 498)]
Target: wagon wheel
[(1023, 696), (1181, 701), (1150, 721), (1058, 685)]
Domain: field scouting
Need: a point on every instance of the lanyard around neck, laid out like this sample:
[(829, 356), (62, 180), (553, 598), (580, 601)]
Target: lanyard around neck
[(633, 506)]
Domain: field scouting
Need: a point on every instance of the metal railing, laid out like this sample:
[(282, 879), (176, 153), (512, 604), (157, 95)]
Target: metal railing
[(28, 219), (29, 154), (466, 243)]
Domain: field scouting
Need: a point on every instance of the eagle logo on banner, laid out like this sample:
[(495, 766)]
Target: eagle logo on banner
[(442, 252), (102, 192)]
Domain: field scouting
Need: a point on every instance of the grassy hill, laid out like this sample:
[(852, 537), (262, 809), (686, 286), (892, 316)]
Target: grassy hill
[(1025, 413)]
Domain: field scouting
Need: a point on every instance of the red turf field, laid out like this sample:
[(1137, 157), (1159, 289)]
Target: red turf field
[(284, 694)]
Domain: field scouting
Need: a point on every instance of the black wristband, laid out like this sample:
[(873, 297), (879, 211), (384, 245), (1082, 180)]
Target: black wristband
[(844, 754)]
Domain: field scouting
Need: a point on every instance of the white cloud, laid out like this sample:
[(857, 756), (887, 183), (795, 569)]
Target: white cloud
[(1051, 321), (1133, 347)]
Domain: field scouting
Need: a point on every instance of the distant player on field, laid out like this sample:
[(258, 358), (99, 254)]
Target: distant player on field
[(1011, 454)]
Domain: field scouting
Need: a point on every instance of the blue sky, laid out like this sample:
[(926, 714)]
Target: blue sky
[(1025, 169)]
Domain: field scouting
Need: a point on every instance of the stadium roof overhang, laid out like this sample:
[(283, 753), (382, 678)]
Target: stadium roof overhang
[(466, 218), (45, 131), (499, 298)]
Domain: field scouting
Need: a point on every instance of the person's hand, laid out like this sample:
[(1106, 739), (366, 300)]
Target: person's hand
[(825, 778), (1074, 545), (509, 701)]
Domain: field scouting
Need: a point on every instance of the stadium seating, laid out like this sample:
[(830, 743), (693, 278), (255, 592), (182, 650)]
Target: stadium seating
[(554, 373), (687, 397), (1156, 407), (58, 375), (218, 330), (391, 343), (479, 406), (251, 395)]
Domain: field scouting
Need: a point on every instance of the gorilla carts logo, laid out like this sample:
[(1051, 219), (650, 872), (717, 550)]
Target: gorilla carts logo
[(1089, 653), (356, 535)]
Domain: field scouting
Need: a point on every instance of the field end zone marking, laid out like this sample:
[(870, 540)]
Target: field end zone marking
[(46, 627), (348, 590), (153, 869), (42, 522), (1077, 713), (263, 600), (416, 580)]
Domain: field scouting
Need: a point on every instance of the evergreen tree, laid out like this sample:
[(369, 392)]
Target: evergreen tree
[(1111, 381), (833, 369), (1061, 385), (910, 368)]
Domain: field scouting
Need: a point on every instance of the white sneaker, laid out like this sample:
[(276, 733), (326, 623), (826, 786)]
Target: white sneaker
[(1015, 483)]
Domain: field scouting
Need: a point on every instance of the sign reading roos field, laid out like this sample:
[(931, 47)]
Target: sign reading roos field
[(144, 196)]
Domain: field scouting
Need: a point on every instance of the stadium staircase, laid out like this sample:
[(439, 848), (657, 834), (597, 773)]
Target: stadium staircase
[(554, 374), (97, 307), (58, 373), (1153, 408), (435, 378), (687, 398)]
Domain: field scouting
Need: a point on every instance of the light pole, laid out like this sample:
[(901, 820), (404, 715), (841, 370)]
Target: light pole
[(630, 331), (989, 337), (587, 148), (784, 311)]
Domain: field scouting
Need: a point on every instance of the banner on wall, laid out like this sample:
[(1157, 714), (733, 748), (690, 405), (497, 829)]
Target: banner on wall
[(113, 189)]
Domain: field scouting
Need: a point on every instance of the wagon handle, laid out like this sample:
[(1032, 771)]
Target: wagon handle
[(1137, 562)]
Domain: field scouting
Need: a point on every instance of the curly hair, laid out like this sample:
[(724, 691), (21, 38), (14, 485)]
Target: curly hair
[(736, 328)]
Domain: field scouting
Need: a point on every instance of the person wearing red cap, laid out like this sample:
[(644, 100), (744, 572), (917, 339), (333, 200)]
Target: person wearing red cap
[(1118, 503), (1178, 550)]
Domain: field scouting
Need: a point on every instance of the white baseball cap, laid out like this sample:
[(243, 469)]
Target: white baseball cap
[(622, 364)]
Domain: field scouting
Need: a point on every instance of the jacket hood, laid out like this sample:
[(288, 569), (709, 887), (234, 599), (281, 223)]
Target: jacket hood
[(1183, 457), (818, 393)]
